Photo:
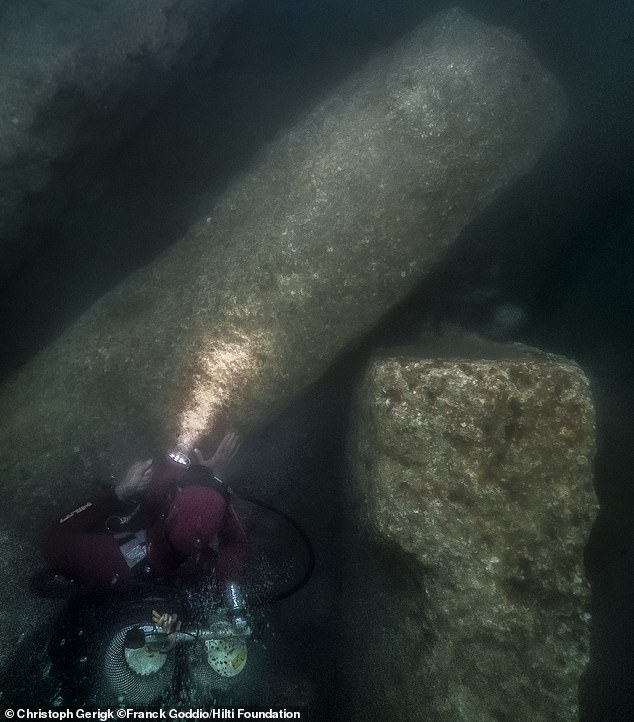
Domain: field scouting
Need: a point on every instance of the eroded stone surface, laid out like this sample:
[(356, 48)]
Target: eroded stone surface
[(477, 472)]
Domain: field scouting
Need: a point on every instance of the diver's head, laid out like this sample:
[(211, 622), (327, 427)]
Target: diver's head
[(194, 518)]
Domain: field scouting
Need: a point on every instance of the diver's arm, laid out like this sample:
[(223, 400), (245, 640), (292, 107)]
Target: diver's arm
[(143, 487), (89, 516), (135, 482)]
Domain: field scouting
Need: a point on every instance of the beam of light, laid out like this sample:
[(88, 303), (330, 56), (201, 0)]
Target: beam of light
[(225, 370)]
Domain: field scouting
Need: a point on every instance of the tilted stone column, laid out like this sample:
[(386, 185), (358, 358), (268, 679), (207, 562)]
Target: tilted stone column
[(337, 220)]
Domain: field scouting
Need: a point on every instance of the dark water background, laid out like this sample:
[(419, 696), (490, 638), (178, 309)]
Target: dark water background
[(577, 291)]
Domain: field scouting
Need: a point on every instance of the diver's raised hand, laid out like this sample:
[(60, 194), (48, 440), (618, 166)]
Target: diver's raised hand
[(166, 622), (224, 455), (135, 482)]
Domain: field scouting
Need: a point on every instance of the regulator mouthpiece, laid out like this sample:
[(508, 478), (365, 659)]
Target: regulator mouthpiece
[(179, 456)]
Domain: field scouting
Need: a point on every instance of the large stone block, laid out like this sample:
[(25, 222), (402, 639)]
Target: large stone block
[(472, 488)]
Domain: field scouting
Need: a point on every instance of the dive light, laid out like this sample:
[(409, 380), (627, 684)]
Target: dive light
[(179, 456)]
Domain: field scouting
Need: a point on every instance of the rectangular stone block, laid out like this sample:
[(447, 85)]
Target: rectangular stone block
[(472, 495)]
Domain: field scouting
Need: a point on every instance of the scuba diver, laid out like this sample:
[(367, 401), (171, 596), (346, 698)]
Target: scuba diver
[(173, 524), (155, 570)]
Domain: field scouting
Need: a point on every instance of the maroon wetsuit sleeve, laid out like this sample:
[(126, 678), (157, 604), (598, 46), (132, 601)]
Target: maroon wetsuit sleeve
[(91, 515), (232, 548), (79, 547)]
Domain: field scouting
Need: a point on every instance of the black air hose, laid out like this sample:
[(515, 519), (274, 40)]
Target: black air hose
[(309, 547)]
